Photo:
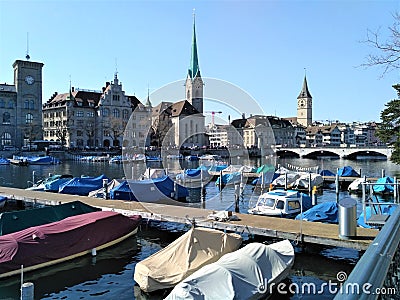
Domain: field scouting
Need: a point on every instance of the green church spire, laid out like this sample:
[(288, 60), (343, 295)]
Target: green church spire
[(194, 69)]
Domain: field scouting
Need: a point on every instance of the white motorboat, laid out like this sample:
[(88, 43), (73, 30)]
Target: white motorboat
[(281, 203)]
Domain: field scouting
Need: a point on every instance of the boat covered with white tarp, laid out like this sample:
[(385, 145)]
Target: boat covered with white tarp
[(248, 273), (196, 248)]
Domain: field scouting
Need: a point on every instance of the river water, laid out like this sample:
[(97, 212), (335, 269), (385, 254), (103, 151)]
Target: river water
[(110, 274)]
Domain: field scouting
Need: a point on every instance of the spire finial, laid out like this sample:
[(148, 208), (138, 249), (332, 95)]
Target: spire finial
[(305, 71), (27, 46), (116, 69)]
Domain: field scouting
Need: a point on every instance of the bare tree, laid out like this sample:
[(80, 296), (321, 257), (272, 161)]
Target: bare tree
[(388, 54)]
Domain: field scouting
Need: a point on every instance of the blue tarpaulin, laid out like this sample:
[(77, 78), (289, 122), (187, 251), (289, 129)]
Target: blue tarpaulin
[(347, 172), (82, 185), (381, 186), (326, 212)]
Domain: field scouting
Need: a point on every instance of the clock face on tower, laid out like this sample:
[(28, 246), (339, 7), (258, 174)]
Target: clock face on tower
[(29, 79), (302, 103)]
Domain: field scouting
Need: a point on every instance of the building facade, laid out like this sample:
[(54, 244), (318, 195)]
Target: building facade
[(89, 119), (20, 105)]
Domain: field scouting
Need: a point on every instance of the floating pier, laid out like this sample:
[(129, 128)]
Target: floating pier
[(296, 230)]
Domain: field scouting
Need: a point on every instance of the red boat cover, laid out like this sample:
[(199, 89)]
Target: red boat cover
[(56, 240)]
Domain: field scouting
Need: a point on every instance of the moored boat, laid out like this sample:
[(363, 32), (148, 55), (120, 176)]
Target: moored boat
[(281, 203), (248, 273), (82, 185), (41, 246), (3, 201), (4, 161), (149, 190), (326, 212), (191, 251), (13, 221)]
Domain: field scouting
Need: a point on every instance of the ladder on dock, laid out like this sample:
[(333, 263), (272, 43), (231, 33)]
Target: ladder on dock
[(379, 210)]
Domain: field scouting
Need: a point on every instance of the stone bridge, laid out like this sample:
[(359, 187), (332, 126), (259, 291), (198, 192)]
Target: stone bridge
[(342, 152)]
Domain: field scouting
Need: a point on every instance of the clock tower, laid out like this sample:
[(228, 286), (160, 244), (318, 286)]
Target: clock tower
[(304, 106), (194, 83), (28, 87)]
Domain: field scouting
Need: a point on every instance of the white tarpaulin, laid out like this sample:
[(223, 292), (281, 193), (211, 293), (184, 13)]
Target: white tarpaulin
[(188, 253), (243, 274)]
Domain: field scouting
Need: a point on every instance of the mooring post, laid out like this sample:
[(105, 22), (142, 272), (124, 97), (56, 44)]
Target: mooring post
[(383, 173), (105, 185), (220, 180), (286, 181), (33, 178), (314, 196), (237, 195), (309, 184), (262, 182), (241, 183), (176, 190), (337, 187)]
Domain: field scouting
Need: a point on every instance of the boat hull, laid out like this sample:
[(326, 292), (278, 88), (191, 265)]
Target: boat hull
[(53, 243)]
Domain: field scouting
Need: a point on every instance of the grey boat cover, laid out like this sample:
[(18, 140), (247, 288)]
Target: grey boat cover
[(247, 273), (188, 253)]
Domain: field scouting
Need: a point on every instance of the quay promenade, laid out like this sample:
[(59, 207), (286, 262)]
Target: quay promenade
[(295, 230)]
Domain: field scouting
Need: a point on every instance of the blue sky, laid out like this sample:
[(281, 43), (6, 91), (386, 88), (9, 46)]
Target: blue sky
[(262, 47)]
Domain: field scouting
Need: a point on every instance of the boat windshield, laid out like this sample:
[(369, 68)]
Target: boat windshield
[(292, 205), (270, 202)]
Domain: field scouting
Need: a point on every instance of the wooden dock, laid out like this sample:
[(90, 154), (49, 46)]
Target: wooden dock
[(301, 231)]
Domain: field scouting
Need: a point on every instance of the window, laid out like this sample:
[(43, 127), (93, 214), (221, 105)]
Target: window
[(125, 114), (79, 133), (106, 112), (116, 97), (80, 113), (6, 138), (293, 205), (28, 118), (26, 104), (6, 118), (116, 113), (90, 114), (1, 103), (32, 104)]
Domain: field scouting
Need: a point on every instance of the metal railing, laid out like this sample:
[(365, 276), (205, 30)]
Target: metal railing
[(377, 273)]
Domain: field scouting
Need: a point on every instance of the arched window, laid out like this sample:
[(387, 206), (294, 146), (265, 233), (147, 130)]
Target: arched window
[(6, 138), (26, 104), (188, 95), (28, 118), (6, 118), (116, 113), (1, 103), (106, 112), (32, 104), (11, 104)]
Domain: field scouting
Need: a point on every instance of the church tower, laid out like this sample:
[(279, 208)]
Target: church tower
[(194, 84), (304, 106)]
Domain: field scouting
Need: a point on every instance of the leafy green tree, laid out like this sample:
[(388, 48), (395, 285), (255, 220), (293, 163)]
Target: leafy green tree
[(389, 130)]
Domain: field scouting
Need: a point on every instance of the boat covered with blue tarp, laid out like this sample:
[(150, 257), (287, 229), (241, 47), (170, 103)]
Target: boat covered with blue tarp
[(326, 212), (384, 185), (149, 190), (82, 185), (347, 171)]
